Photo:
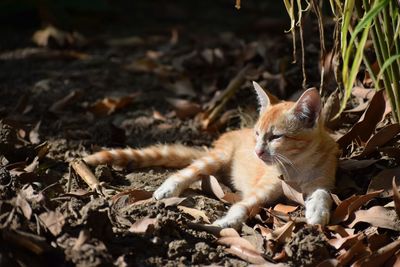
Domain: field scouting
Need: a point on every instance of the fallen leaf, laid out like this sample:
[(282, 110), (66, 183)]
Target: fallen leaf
[(281, 234), (246, 254), (242, 248), (329, 263), (134, 195), (363, 93), (172, 201), (377, 216), (379, 257), (357, 251), (285, 208), (34, 134), (292, 194), (109, 105), (61, 104), (195, 213), (364, 128), (338, 229), (355, 164), (143, 225), (184, 108), (24, 206), (396, 197), (349, 205), (376, 241), (50, 34), (380, 138), (344, 242), (383, 180), (211, 186), (182, 87), (53, 220)]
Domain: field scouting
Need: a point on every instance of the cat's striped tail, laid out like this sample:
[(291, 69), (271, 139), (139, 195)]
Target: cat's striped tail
[(176, 156)]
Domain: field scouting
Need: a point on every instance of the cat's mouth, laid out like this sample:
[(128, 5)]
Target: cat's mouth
[(268, 159)]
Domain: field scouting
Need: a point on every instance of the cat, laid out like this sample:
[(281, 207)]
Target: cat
[(288, 143)]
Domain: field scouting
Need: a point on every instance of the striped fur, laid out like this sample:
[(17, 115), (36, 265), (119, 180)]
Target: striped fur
[(175, 156), (287, 141)]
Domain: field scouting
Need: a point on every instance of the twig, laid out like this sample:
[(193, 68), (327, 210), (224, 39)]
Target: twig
[(213, 111), (87, 175)]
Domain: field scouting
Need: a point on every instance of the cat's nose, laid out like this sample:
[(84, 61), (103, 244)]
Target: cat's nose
[(260, 152)]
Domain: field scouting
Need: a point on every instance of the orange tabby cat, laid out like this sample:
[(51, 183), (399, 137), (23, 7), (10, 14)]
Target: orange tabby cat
[(288, 142)]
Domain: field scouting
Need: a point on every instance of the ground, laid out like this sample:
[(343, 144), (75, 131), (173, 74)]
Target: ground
[(118, 88)]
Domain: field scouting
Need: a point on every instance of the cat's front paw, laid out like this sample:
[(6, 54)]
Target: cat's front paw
[(170, 188), (318, 207), (236, 215)]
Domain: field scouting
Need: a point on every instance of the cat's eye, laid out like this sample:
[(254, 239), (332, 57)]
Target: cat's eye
[(275, 136), (257, 133)]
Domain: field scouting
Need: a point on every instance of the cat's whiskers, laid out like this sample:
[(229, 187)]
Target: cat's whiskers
[(282, 166), (288, 162)]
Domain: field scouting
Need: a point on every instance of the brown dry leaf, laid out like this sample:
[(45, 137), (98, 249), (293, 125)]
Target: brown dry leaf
[(172, 201), (134, 195), (329, 263), (357, 251), (292, 194), (61, 104), (33, 165), (380, 138), (349, 205), (211, 186), (285, 208), (329, 110), (182, 87), (242, 248), (158, 116), (143, 225), (376, 241), (340, 230), (184, 108), (344, 242), (24, 206), (354, 164), (364, 128), (378, 216), (144, 65), (109, 105), (61, 38), (361, 107), (246, 254), (379, 257), (265, 231), (54, 221), (282, 233), (363, 93), (195, 213), (383, 180), (34, 137), (396, 197)]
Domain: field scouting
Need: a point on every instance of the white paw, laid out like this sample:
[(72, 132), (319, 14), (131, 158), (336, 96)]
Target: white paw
[(318, 207), (170, 188), (236, 215)]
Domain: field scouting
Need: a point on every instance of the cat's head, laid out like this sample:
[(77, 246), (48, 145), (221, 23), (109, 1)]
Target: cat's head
[(285, 129)]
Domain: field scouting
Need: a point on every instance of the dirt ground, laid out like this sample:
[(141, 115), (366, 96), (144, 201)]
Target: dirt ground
[(123, 87)]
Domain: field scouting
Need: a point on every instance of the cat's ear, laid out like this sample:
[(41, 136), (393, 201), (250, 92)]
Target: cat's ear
[(264, 99), (308, 107)]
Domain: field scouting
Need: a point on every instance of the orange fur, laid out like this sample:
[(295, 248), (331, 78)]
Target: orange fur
[(305, 155)]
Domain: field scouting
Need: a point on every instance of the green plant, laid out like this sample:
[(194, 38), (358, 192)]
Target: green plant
[(378, 20), (360, 21)]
